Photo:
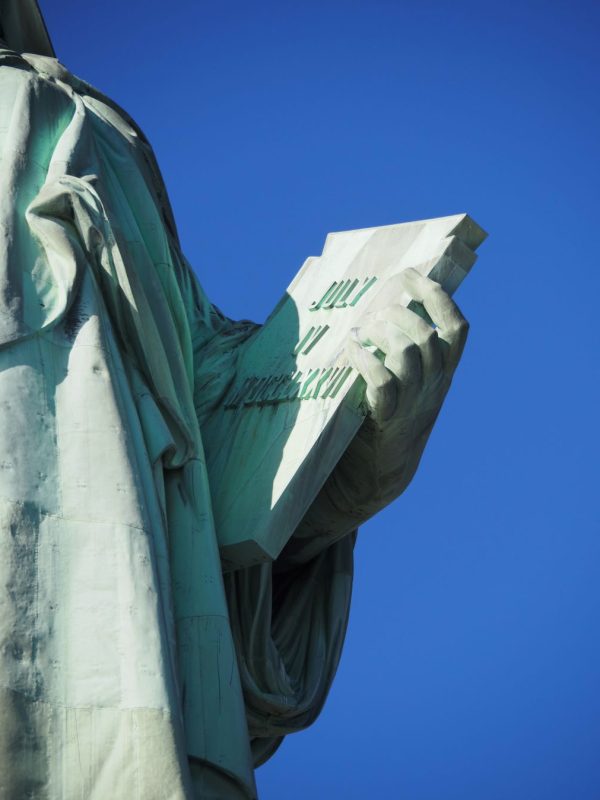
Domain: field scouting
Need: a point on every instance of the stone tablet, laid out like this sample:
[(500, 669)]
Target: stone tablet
[(297, 403)]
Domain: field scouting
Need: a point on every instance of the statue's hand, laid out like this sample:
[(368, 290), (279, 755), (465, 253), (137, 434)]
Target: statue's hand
[(415, 363), (407, 379)]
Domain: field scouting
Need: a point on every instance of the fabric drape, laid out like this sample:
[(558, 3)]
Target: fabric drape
[(122, 650)]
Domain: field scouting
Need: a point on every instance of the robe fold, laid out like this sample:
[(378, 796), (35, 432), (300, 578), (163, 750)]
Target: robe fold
[(128, 667)]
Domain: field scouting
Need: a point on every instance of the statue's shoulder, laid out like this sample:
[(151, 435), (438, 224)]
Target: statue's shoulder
[(10, 60), (41, 74), (28, 68), (29, 82)]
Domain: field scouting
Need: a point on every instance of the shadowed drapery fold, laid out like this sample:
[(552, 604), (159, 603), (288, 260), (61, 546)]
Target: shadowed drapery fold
[(289, 629)]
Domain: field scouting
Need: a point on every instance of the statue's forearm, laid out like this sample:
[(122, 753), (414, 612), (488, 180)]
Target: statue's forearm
[(374, 470)]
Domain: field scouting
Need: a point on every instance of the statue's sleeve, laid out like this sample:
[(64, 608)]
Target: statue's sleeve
[(288, 620)]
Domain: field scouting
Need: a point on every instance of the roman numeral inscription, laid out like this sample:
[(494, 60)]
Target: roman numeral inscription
[(310, 383), (315, 383), (342, 294), (310, 339)]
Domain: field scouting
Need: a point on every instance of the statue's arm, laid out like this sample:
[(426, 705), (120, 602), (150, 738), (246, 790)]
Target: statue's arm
[(216, 343), (407, 381)]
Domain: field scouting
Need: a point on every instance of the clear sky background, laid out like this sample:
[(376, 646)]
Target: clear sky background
[(472, 664)]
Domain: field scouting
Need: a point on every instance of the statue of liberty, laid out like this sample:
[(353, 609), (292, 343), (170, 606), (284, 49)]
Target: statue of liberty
[(130, 666)]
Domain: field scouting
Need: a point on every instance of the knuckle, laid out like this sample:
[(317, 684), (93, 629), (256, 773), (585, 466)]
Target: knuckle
[(458, 328), (383, 383), (410, 272), (437, 293), (411, 351), (428, 336), (409, 377)]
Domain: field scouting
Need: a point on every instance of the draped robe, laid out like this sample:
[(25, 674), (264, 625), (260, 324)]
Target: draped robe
[(129, 668)]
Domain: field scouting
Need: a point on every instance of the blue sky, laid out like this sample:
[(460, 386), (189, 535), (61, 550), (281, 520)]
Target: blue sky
[(472, 664)]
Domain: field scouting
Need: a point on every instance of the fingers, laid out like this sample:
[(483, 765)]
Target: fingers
[(418, 357), (401, 353), (381, 385), (452, 326), (419, 332)]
